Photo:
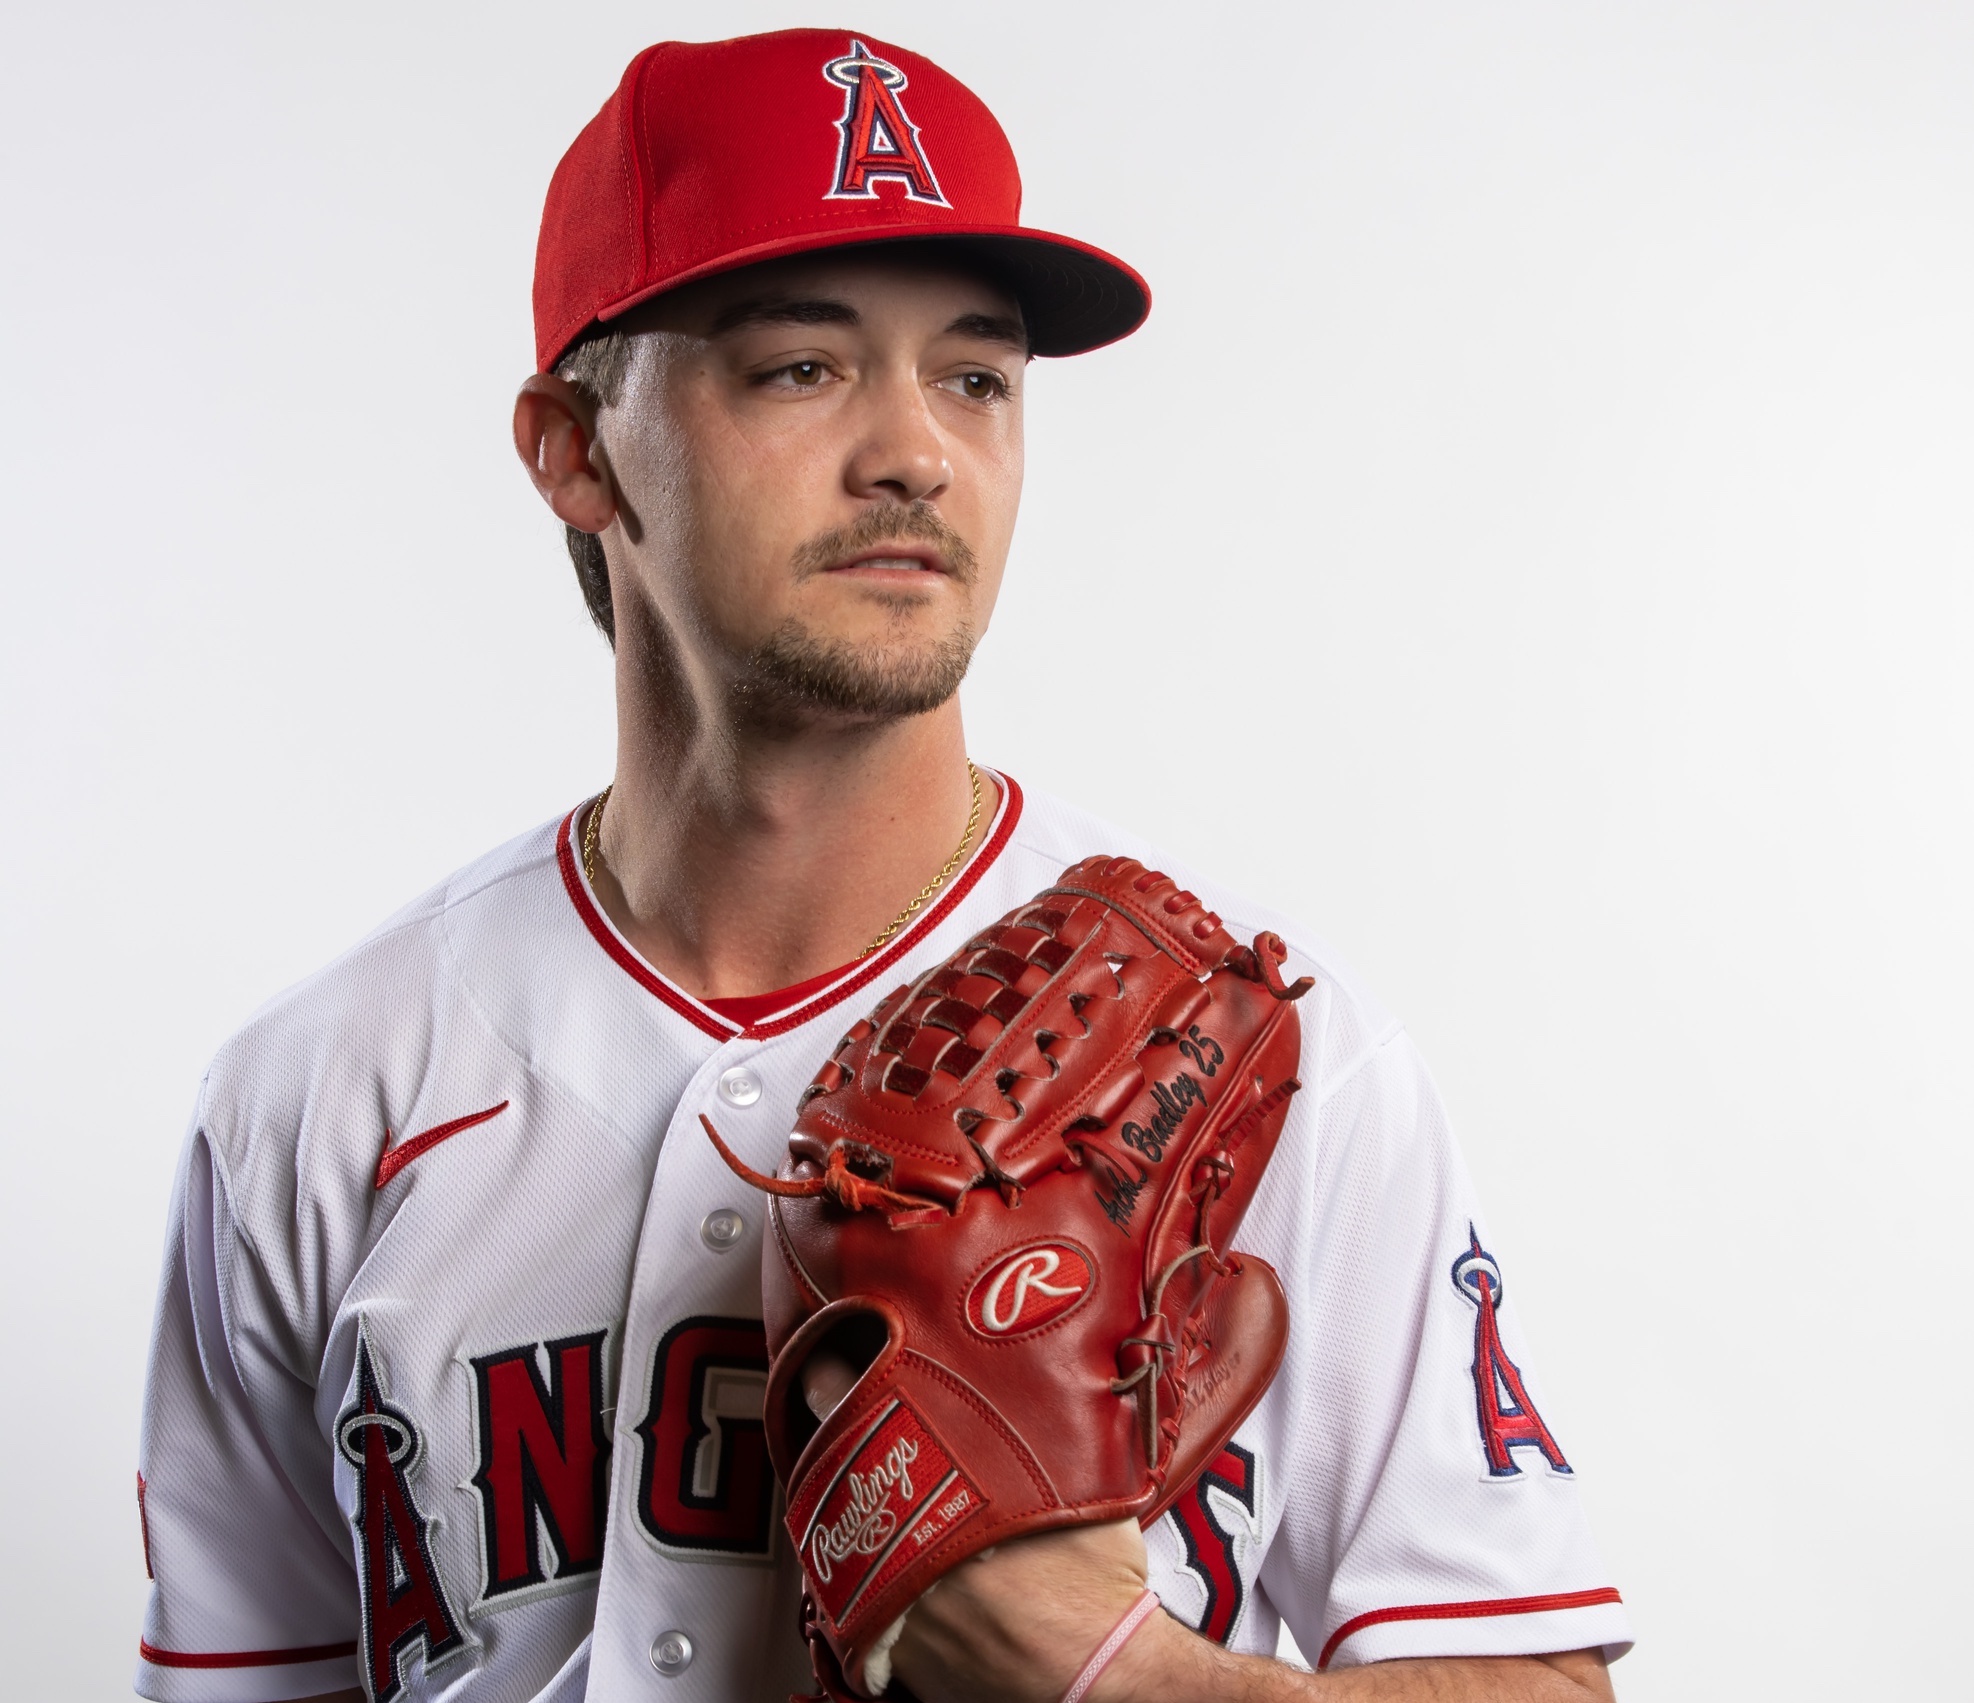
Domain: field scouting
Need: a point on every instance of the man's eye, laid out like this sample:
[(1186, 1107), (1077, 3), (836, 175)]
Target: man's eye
[(797, 375), (979, 386)]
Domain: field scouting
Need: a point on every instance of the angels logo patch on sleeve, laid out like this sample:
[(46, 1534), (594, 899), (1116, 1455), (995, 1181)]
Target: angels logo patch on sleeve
[(1508, 1418)]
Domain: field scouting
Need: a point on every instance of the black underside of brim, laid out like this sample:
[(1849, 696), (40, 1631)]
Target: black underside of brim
[(1072, 301)]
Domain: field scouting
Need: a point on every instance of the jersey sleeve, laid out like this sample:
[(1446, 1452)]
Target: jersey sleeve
[(1430, 1510), (253, 1596)]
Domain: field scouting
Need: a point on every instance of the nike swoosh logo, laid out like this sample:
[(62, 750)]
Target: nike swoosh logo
[(394, 1159)]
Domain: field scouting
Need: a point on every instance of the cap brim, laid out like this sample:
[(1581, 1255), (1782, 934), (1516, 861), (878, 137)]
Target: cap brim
[(1073, 297)]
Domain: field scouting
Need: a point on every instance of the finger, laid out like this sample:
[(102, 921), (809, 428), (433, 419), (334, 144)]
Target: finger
[(827, 1377)]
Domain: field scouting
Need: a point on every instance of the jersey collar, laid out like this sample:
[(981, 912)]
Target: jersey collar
[(855, 977)]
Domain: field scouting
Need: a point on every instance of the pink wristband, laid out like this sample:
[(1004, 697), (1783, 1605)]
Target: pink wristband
[(1141, 1611)]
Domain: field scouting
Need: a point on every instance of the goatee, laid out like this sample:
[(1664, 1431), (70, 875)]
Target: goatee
[(796, 669)]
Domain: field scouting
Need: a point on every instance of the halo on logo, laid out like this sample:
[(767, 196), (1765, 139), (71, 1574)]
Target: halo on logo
[(849, 70), (399, 1441), (1469, 1269), (1028, 1288)]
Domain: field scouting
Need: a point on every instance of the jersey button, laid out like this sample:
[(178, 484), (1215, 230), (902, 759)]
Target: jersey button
[(740, 1086), (721, 1231), (671, 1654)]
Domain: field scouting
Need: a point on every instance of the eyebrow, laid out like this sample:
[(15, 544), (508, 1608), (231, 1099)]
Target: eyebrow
[(768, 310), (820, 310), (994, 327)]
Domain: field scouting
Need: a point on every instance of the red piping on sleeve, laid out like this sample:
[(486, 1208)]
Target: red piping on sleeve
[(241, 1658), (1465, 1611)]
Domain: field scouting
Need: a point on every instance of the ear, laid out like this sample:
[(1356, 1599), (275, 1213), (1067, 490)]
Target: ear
[(555, 436)]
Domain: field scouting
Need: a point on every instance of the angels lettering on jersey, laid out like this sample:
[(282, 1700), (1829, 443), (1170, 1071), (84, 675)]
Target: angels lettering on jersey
[(542, 1481), (705, 1485), (405, 1607), (1217, 1524)]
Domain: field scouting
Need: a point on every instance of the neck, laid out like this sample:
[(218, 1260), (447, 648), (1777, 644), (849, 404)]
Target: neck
[(738, 858)]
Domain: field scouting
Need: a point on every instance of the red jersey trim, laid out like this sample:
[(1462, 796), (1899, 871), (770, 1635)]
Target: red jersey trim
[(1466, 1611), (711, 1022), (241, 1658), (997, 838), (749, 1008)]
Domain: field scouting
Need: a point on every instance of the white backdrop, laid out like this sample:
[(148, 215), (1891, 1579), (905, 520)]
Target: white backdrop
[(1566, 412)]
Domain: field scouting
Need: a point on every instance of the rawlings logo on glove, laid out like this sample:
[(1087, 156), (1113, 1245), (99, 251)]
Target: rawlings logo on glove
[(999, 1304), (1009, 1198)]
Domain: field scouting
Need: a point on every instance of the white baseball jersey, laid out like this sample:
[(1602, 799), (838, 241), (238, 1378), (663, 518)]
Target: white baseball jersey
[(457, 1377)]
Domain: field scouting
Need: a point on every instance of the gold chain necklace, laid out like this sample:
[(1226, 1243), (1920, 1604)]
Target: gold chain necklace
[(595, 822), (589, 835), (939, 880)]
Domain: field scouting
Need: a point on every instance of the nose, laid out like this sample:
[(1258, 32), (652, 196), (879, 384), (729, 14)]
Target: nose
[(900, 456)]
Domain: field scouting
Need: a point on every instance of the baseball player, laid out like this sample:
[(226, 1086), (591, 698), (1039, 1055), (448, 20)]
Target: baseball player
[(457, 1380)]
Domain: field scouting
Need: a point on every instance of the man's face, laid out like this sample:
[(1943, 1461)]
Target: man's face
[(818, 464)]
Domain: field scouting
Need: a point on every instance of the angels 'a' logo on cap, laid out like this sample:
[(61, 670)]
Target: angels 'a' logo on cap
[(879, 141)]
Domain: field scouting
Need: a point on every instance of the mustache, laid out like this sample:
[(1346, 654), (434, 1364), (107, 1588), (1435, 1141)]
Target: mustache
[(916, 522)]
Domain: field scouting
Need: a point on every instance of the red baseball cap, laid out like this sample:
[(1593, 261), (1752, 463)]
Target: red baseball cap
[(714, 155)]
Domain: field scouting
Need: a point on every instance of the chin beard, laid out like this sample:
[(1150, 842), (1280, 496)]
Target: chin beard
[(795, 670)]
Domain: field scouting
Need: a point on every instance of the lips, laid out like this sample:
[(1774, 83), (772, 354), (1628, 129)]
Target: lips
[(893, 558)]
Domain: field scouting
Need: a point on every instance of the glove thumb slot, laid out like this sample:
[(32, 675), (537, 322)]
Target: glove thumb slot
[(848, 1339)]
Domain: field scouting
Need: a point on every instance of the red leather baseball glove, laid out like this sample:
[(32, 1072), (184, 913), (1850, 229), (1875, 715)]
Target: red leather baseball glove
[(1010, 1196)]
